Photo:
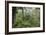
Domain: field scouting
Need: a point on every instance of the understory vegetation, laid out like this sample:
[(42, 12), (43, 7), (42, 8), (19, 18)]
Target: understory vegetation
[(24, 17)]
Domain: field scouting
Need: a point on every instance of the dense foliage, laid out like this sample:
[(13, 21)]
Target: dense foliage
[(26, 17)]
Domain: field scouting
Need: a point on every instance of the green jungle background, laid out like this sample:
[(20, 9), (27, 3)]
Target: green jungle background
[(24, 17)]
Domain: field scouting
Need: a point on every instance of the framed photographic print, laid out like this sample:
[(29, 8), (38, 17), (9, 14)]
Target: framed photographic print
[(24, 17)]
